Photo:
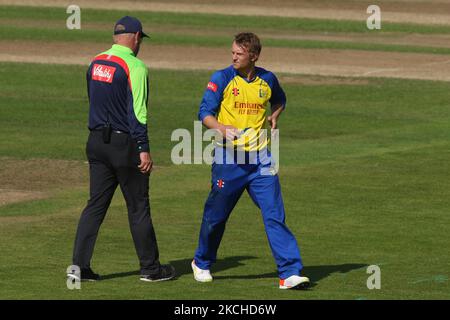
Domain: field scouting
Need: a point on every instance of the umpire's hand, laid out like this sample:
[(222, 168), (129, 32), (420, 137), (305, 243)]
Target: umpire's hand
[(146, 162)]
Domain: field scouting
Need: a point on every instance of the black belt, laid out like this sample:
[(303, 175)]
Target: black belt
[(114, 131)]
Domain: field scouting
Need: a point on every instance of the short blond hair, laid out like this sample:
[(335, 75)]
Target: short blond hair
[(250, 41)]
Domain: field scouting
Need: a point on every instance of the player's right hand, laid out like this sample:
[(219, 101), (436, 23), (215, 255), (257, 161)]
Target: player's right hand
[(229, 132)]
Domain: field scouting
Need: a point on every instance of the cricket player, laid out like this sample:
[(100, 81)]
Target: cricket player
[(241, 102)]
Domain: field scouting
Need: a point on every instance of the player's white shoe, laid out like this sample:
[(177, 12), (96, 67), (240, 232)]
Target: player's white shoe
[(200, 274), (295, 282)]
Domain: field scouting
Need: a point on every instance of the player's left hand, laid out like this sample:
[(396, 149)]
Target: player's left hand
[(272, 121), (146, 164)]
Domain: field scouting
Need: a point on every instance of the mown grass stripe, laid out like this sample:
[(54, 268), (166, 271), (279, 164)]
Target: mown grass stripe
[(214, 21), (88, 35)]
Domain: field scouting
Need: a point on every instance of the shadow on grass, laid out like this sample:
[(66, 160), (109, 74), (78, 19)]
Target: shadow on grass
[(183, 267), (120, 275), (315, 273)]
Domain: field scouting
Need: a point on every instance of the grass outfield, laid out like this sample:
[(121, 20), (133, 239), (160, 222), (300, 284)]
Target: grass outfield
[(364, 170), (61, 34), (214, 20), (48, 24)]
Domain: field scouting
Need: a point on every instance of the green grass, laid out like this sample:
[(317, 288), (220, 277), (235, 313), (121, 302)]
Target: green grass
[(364, 169), (100, 24), (215, 21), (164, 38)]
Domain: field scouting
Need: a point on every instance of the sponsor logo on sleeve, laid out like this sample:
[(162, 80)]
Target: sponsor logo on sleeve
[(103, 73), (212, 86)]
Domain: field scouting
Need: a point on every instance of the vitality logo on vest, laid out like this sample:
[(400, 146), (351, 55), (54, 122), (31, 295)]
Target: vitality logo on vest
[(103, 73)]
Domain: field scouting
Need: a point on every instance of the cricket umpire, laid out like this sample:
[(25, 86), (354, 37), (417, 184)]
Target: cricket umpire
[(118, 151)]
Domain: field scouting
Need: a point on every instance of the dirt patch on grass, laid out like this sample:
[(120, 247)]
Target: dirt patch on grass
[(30, 177), (420, 12), (11, 196), (325, 62)]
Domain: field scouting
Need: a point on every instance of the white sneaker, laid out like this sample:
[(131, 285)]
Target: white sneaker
[(200, 274), (295, 282)]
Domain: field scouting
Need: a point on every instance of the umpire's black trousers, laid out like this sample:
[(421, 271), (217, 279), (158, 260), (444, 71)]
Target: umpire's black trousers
[(110, 165)]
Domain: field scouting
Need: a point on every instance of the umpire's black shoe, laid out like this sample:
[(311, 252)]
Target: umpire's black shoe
[(86, 275), (166, 272)]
